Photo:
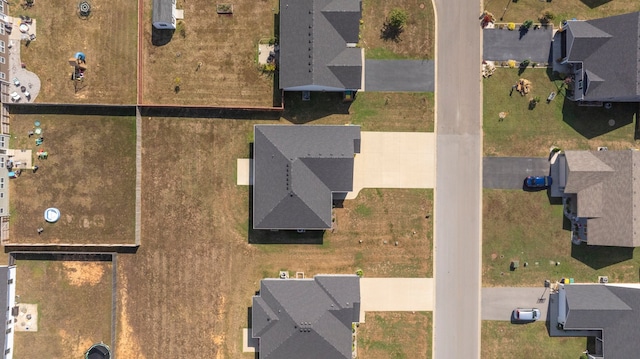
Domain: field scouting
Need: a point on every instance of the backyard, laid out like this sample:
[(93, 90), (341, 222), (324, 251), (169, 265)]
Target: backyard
[(416, 40), (524, 226), (108, 37), (74, 306), (201, 250), (503, 340), (531, 132), (89, 176), (374, 111), (395, 335), (519, 11), (210, 59)]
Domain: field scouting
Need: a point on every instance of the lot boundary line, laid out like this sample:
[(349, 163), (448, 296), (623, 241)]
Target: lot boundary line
[(138, 176)]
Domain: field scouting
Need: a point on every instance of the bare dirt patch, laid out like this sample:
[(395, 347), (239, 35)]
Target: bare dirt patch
[(108, 38), (197, 253), (89, 176), (83, 273)]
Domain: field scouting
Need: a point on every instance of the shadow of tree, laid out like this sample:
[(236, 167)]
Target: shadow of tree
[(390, 32), (598, 257)]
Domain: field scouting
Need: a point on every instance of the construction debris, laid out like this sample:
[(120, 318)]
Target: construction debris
[(523, 86)]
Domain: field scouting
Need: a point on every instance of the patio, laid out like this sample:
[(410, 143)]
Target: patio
[(25, 84)]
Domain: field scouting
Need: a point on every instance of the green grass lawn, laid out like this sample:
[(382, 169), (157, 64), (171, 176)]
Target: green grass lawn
[(530, 132), (505, 340), (374, 111), (518, 11), (524, 226), (395, 335)]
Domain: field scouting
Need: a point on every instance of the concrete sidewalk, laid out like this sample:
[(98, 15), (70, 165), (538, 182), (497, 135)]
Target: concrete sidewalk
[(394, 160), (395, 295)]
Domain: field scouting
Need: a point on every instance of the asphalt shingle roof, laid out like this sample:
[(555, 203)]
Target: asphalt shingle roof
[(313, 44), (306, 318), (162, 11), (609, 49), (606, 187), (296, 170), (614, 309)]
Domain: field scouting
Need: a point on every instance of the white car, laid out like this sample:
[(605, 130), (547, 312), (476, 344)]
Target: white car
[(526, 314)]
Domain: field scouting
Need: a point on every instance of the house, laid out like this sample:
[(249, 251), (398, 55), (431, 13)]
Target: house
[(610, 313), (601, 190), (318, 45), (8, 298), (602, 58), (306, 318), (6, 26), (297, 171), (164, 14)]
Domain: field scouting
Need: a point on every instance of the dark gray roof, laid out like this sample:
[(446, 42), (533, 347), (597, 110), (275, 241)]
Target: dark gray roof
[(4, 301), (609, 49), (313, 43), (606, 187), (615, 309), (296, 170), (306, 318), (162, 11)]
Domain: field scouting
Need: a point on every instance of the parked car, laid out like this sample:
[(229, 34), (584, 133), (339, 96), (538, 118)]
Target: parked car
[(538, 181), (526, 314)]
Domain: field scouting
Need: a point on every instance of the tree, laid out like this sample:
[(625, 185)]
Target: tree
[(398, 18)]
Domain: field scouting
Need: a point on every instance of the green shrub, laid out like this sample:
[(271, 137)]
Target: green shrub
[(527, 24), (398, 18)]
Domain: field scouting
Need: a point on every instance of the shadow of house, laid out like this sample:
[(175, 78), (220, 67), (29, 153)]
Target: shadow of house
[(598, 257), (297, 170), (594, 3), (318, 45), (319, 105), (592, 122)]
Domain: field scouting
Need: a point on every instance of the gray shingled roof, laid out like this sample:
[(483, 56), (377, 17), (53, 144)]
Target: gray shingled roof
[(296, 170), (606, 188), (306, 318), (609, 49), (614, 309), (313, 44), (162, 11)]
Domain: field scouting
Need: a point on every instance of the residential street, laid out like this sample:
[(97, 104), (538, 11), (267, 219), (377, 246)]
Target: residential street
[(458, 193), (499, 302)]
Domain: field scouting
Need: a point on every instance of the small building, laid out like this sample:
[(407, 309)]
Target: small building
[(8, 301), (610, 313), (600, 192), (297, 171), (602, 58), (306, 318), (164, 14), (318, 45)]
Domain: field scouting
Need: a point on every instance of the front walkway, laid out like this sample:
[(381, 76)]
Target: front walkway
[(395, 295)]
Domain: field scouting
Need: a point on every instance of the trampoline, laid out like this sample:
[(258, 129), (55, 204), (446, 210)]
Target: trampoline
[(51, 215), (98, 351)]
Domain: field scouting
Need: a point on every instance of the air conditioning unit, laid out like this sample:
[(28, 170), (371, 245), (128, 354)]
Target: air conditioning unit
[(603, 279)]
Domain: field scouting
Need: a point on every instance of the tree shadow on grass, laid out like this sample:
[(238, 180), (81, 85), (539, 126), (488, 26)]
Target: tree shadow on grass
[(321, 104), (598, 257), (592, 122), (390, 32)]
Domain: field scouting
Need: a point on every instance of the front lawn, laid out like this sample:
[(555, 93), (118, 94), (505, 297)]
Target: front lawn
[(530, 132), (519, 11)]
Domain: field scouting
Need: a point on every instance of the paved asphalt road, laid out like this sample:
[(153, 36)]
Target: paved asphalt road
[(510, 172), (503, 45), (499, 303), (399, 75), (458, 192)]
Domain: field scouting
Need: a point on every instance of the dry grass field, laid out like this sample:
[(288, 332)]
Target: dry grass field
[(74, 307), (89, 175), (397, 335), (108, 38), (225, 46), (417, 40), (187, 290)]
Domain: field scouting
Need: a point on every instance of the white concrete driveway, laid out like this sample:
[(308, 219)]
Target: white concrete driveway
[(395, 295), (394, 160)]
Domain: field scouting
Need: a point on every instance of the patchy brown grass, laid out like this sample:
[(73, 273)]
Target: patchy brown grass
[(416, 40), (395, 335), (227, 47), (108, 38), (89, 176), (72, 316), (196, 258)]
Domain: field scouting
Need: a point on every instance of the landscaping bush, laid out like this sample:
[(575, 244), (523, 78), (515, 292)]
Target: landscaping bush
[(525, 63), (398, 18), (511, 26), (512, 64), (527, 24)]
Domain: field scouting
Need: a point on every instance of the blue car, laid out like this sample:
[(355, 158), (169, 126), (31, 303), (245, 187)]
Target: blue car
[(538, 181)]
